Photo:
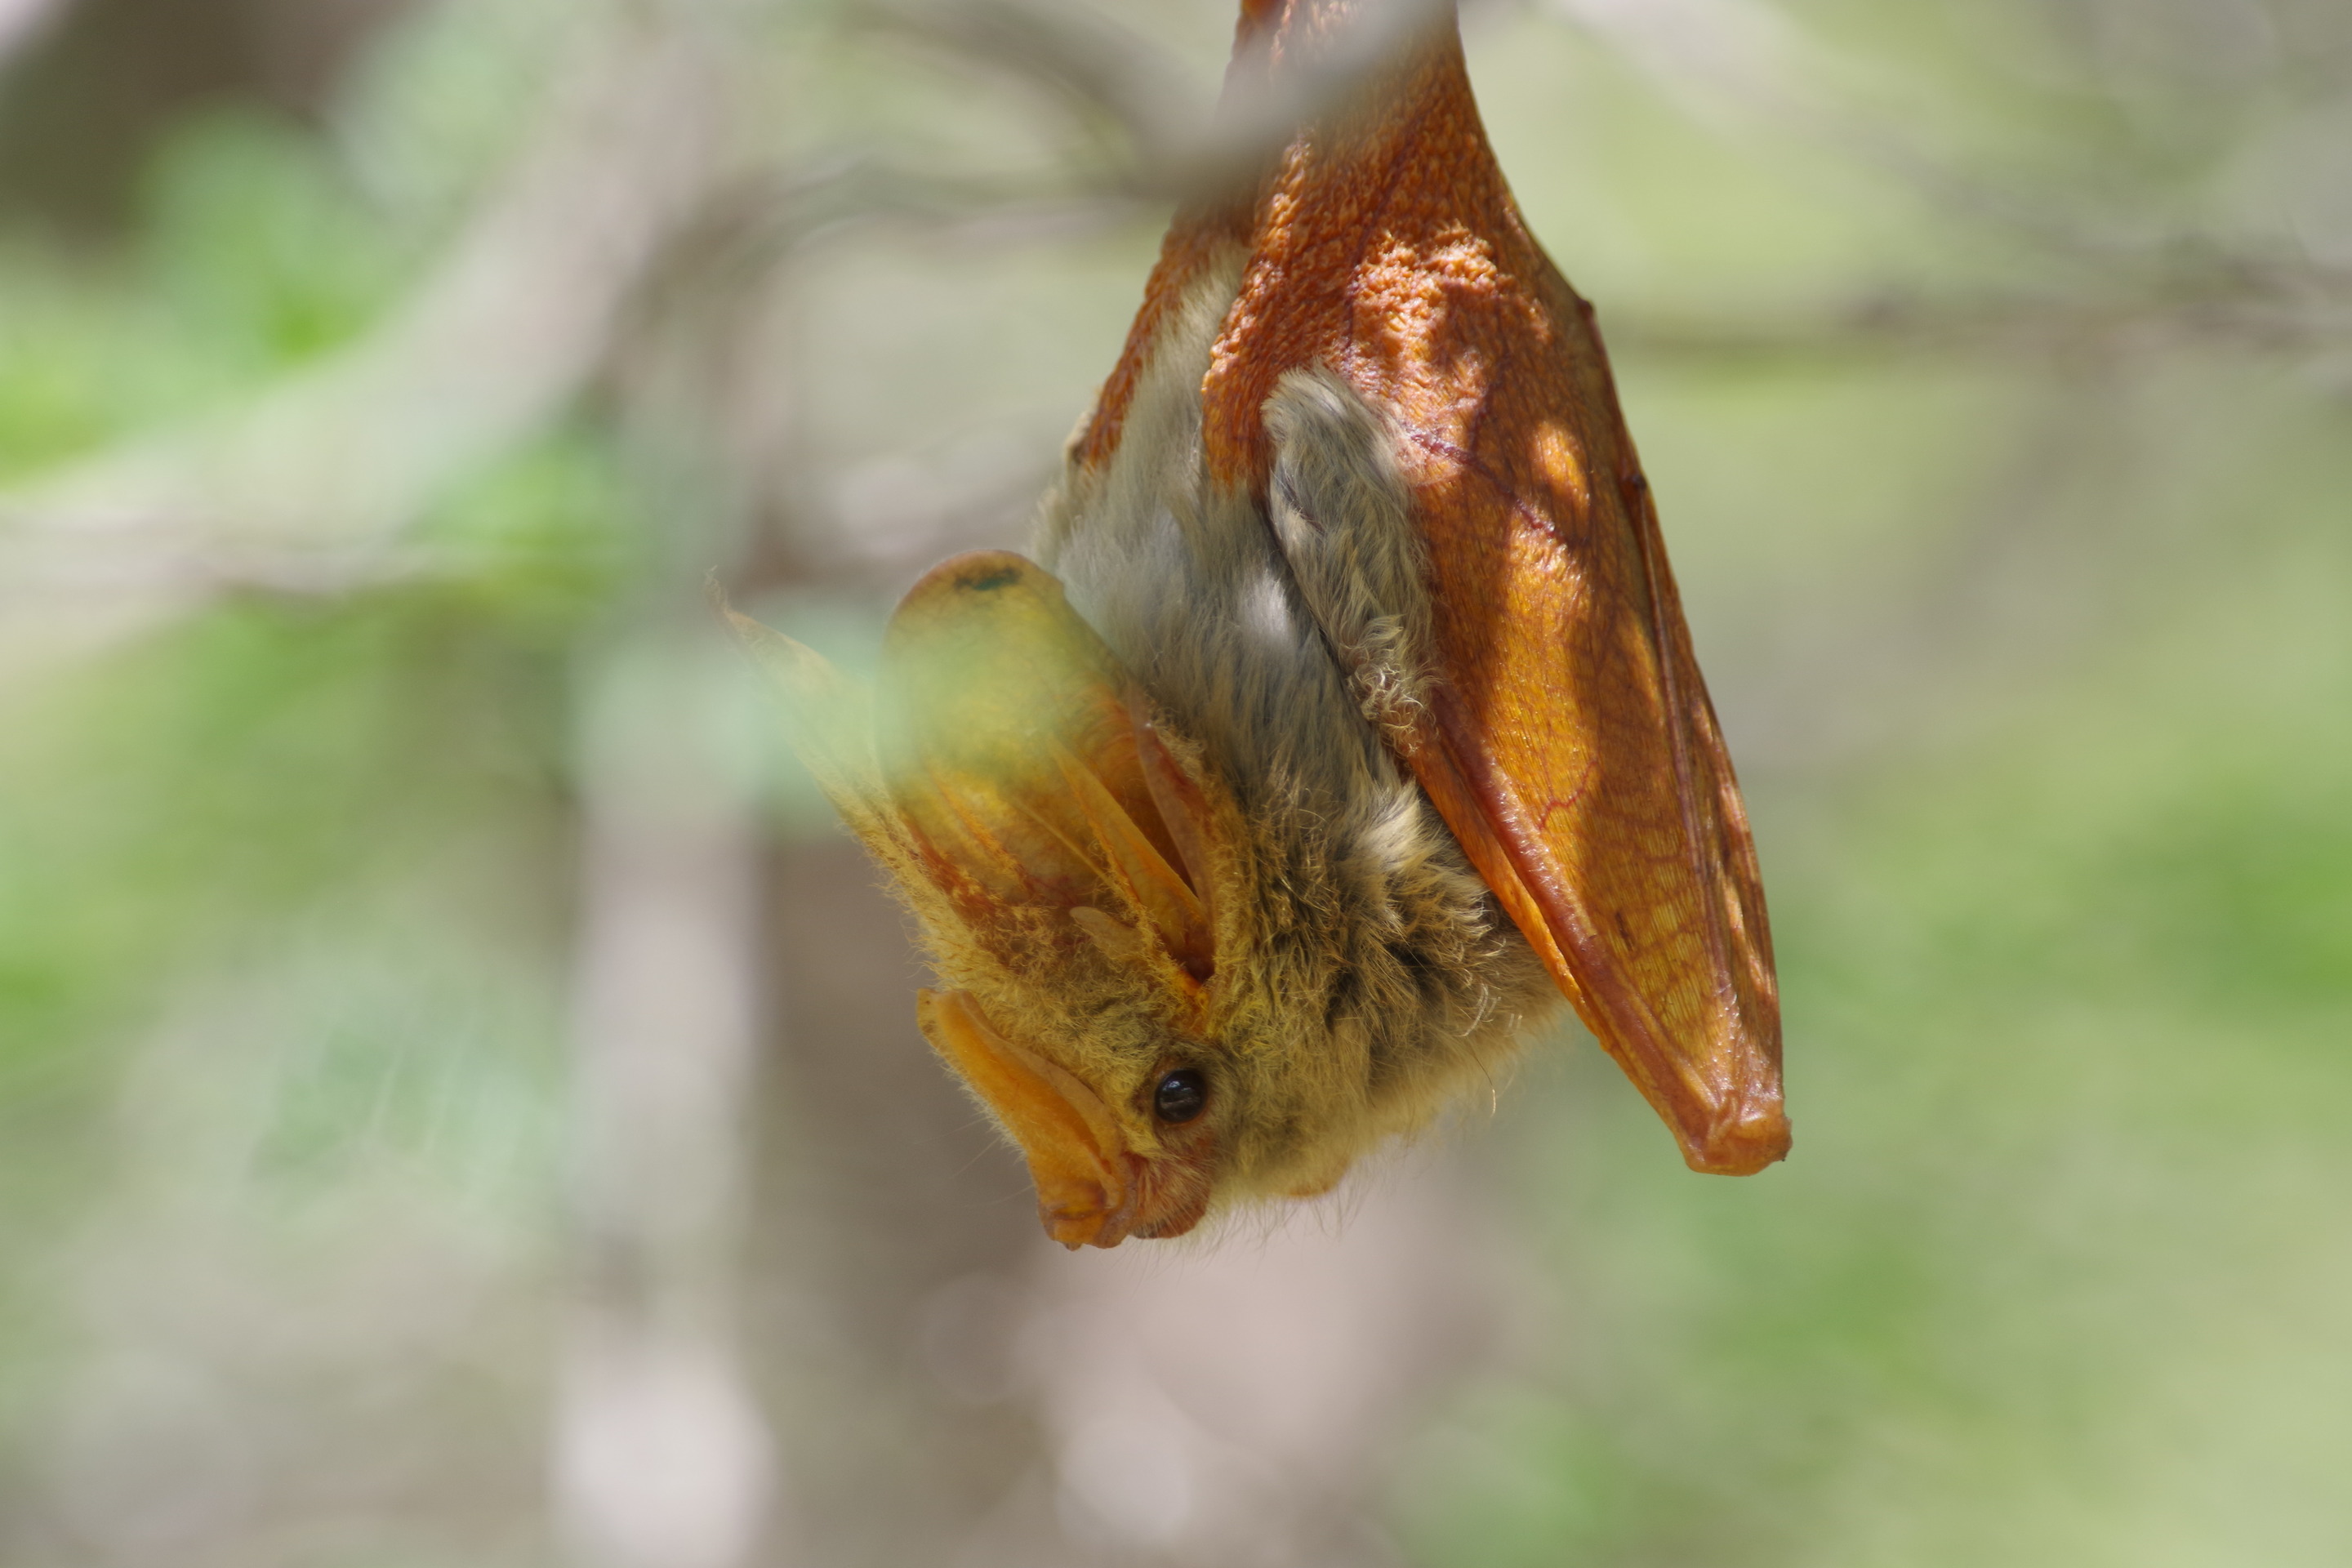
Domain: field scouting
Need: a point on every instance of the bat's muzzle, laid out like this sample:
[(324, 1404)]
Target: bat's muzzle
[(1078, 1157)]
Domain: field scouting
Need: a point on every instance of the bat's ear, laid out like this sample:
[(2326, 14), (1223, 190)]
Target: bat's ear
[(829, 721), (1008, 744)]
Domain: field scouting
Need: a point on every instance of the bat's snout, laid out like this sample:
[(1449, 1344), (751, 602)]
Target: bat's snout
[(1084, 1218), (1078, 1157)]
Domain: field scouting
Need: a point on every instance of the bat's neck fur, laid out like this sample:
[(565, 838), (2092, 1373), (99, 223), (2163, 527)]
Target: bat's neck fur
[(1363, 971)]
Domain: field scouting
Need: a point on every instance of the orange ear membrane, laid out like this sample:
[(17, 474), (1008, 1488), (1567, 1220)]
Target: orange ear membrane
[(985, 673), (1168, 902), (1077, 1155), (1007, 747)]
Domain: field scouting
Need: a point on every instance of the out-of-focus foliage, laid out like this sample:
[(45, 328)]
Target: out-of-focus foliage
[(253, 255), (1990, 361)]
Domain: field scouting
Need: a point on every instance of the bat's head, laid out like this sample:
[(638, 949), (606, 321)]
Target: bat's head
[(1053, 848), (1165, 998)]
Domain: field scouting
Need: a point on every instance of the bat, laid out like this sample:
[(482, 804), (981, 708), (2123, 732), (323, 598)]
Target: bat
[(1345, 722)]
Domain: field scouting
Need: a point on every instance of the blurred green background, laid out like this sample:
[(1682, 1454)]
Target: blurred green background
[(458, 1095)]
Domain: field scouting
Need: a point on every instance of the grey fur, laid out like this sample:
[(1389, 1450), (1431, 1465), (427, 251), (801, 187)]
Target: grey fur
[(1191, 593), (1345, 524)]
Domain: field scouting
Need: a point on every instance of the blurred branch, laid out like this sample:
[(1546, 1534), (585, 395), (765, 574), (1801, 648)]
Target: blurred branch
[(1737, 64), (1103, 70), (763, 216), (2270, 309), (1174, 146), (1742, 63), (1729, 63), (1168, 146)]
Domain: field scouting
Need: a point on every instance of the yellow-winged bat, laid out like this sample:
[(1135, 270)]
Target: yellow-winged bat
[(1346, 721)]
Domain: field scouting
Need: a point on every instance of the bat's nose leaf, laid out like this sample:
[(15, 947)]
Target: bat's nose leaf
[(1076, 1154)]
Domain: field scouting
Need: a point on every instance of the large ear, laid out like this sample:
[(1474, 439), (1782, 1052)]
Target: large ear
[(1553, 708), (1009, 749), (829, 721)]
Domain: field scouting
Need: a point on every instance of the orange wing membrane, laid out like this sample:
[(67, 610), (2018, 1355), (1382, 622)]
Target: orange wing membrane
[(1566, 737)]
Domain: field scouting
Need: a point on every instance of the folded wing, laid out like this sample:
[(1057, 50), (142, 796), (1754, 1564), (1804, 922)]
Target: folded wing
[(1540, 677)]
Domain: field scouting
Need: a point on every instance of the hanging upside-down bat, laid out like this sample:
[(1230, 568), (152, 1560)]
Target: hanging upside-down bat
[(1346, 721)]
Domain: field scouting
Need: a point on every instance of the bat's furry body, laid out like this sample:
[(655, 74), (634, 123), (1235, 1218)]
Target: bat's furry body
[(1349, 724)]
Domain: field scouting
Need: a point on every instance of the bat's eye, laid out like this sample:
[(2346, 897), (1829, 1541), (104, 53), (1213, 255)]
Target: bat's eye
[(1181, 1097)]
